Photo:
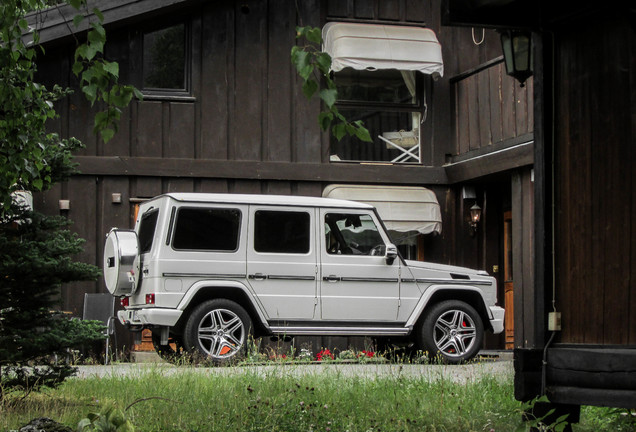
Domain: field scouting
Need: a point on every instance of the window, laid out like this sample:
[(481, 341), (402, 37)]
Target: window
[(147, 230), (212, 229), (281, 232), (352, 234), (389, 102), (164, 59)]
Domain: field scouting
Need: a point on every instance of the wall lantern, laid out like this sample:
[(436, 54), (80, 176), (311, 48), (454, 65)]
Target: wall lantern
[(517, 53), (475, 217)]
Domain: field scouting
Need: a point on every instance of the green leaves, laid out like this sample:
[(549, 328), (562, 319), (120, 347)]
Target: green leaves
[(31, 158), (314, 67), (110, 419), (99, 77)]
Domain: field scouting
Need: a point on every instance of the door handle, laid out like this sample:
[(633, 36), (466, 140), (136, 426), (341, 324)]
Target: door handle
[(331, 278), (258, 276)]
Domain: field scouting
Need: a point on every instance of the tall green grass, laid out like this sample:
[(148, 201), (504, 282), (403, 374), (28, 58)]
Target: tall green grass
[(273, 399)]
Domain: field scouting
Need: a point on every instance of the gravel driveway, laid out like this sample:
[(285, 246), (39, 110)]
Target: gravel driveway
[(457, 373)]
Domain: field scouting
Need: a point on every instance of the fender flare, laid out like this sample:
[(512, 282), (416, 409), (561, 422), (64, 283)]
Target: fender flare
[(430, 292), (210, 284)]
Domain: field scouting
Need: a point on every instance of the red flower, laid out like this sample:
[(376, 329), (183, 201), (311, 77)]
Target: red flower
[(368, 353), (325, 353)]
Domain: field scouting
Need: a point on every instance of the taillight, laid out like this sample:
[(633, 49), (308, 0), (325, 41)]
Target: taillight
[(150, 298), (125, 301)]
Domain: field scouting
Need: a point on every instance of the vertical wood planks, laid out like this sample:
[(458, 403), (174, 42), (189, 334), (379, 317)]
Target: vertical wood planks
[(250, 54), (490, 108), (217, 79), (281, 38), (595, 186), (180, 142), (149, 129)]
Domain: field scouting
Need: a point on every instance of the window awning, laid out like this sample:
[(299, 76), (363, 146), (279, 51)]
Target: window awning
[(374, 46), (403, 208)]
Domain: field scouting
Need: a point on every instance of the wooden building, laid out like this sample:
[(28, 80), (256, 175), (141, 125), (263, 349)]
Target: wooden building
[(585, 228), (223, 111)]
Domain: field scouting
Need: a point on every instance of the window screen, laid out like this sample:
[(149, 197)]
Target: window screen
[(281, 232), (213, 229)]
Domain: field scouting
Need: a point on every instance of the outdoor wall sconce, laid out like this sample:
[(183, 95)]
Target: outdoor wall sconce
[(517, 52), (475, 217)]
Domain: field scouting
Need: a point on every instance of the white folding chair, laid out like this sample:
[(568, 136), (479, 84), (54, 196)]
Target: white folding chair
[(406, 142)]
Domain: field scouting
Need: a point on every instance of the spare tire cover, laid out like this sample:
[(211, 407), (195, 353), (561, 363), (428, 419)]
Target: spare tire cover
[(121, 262)]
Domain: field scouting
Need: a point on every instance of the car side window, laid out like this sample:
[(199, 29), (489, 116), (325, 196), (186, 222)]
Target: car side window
[(147, 230), (352, 234), (211, 229), (281, 232)]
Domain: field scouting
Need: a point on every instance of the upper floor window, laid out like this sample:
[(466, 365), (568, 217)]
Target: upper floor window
[(390, 103), (379, 73), (165, 59)]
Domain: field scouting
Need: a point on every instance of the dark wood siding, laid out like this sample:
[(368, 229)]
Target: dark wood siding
[(490, 108), (246, 127), (594, 184)]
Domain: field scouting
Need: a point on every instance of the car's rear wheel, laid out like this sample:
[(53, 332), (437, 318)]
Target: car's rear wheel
[(452, 331), (219, 330)]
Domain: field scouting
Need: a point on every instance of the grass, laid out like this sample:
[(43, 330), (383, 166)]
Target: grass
[(277, 399)]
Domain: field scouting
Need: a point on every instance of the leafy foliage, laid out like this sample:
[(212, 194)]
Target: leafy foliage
[(314, 66), (99, 77), (110, 419), (31, 158)]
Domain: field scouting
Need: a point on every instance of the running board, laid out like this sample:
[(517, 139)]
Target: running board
[(341, 331)]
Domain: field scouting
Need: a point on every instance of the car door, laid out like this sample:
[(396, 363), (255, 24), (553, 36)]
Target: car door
[(356, 282), (281, 261)]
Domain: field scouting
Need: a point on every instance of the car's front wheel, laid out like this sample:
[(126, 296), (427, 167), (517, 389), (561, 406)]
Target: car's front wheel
[(452, 330), (219, 330)]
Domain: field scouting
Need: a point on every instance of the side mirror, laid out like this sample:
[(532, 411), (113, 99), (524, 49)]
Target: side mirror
[(391, 254)]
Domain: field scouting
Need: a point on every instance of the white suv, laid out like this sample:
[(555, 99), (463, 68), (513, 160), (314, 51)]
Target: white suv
[(207, 271)]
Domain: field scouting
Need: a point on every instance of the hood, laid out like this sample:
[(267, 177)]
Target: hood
[(445, 268)]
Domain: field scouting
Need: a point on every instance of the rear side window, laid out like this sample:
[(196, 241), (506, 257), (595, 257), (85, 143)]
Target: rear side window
[(281, 232), (147, 230), (212, 229)]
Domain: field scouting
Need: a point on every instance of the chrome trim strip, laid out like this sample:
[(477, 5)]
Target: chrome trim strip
[(357, 279), (204, 275), (455, 282), (283, 277)]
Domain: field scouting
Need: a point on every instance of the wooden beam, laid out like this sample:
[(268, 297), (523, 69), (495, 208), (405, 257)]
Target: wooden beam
[(483, 164), (57, 21), (257, 170), (592, 396)]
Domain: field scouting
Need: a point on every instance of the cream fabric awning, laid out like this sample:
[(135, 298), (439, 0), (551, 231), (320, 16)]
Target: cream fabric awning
[(375, 46), (402, 208)]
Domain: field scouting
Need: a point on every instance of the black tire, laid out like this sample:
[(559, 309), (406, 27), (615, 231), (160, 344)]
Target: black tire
[(218, 330), (451, 331), (173, 352)]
